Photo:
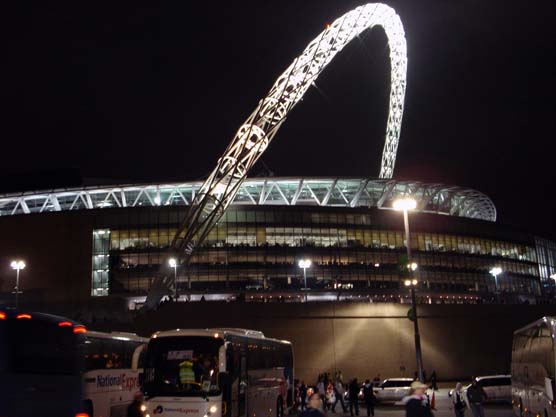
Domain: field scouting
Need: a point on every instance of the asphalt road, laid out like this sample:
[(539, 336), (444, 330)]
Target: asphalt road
[(443, 403)]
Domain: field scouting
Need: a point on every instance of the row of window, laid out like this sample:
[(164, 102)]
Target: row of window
[(235, 236), (106, 353), (357, 259), (253, 279)]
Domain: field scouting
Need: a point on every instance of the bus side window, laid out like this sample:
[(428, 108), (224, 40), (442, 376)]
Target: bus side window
[(113, 353), (94, 352)]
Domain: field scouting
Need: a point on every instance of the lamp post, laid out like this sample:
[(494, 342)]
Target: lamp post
[(304, 264), (18, 265), (405, 205), (495, 272), (173, 262)]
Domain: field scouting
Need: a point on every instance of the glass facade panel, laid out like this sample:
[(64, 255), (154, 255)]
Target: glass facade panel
[(100, 262), (258, 247)]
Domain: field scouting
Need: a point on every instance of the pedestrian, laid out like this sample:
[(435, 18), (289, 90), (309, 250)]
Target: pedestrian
[(303, 395), (369, 396), (339, 391), (353, 397), (313, 407), (476, 396), (134, 409), (321, 389), (296, 394), (433, 381), (330, 396), (458, 401), (417, 403)]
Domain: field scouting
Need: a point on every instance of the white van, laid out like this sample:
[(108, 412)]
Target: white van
[(498, 388), (393, 389)]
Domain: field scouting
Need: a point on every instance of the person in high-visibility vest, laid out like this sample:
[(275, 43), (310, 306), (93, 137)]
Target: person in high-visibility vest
[(187, 376)]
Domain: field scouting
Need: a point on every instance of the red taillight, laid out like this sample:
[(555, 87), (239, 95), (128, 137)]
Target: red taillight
[(82, 415), (79, 329), (65, 324), (2, 315), (23, 316)]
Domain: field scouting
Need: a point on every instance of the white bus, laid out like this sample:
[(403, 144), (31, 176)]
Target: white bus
[(108, 381), (217, 373), (53, 366), (533, 363)]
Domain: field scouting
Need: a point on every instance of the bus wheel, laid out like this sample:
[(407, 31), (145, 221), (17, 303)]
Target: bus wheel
[(279, 407)]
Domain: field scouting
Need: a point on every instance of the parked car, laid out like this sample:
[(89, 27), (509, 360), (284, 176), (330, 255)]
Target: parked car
[(393, 389), (498, 388)]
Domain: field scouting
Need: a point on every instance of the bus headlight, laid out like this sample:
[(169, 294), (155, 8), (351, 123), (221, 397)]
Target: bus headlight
[(213, 409)]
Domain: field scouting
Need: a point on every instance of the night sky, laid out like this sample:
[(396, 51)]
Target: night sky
[(128, 93)]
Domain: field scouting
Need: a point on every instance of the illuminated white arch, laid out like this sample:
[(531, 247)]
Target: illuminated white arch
[(256, 133)]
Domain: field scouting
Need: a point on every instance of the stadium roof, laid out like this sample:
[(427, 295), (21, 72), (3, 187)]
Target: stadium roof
[(333, 192)]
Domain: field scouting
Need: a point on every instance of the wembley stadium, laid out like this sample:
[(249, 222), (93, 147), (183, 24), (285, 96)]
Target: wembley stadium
[(233, 237), (113, 241)]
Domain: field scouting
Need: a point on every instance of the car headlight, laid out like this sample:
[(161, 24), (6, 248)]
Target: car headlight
[(143, 408), (213, 409)]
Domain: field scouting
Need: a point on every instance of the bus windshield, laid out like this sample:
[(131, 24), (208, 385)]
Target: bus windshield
[(182, 366)]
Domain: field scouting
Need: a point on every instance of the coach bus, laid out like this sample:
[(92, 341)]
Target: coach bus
[(216, 373), (533, 364), (53, 366), (108, 381)]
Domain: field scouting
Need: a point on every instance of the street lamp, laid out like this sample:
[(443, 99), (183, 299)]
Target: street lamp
[(304, 264), (173, 262), (495, 272), (17, 265), (405, 205)]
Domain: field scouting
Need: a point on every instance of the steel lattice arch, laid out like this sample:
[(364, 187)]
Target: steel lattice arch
[(256, 133), (327, 192)]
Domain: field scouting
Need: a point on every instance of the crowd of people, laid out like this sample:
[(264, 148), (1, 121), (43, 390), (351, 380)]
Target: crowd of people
[(330, 392)]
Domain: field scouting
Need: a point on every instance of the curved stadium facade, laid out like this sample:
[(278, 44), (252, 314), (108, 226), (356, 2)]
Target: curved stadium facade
[(111, 241)]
